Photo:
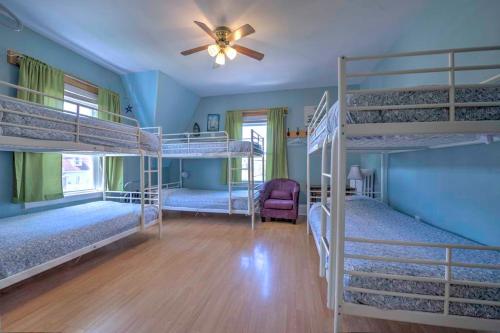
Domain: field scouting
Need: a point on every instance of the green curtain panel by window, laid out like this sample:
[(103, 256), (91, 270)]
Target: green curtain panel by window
[(110, 102), (276, 158), (38, 176), (234, 127)]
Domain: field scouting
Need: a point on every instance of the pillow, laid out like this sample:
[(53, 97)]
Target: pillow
[(281, 195)]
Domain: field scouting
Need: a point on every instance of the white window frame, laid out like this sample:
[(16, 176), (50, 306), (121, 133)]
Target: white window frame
[(87, 99), (252, 121)]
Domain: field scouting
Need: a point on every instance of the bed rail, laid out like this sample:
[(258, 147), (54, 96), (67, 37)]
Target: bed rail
[(199, 145), (450, 126), (77, 126)]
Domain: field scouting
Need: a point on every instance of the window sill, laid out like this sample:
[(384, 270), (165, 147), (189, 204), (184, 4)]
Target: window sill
[(70, 197)]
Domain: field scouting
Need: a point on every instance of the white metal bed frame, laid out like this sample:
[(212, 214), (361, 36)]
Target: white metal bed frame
[(148, 194), (334, 149), (195, 145)]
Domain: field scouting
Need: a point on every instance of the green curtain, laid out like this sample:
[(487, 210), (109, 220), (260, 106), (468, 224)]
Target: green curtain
[(276, 159), (38, 176), (233, 125), (110, 102)]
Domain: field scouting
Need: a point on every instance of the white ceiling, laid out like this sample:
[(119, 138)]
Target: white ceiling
[(300, 38)]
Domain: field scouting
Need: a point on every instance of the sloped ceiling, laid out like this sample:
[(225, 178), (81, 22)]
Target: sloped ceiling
[(300, 38)]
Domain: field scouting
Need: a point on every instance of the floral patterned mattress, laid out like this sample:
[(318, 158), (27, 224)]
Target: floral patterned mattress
[(368, 218), (413, 96), (50, 124), (30, 240)]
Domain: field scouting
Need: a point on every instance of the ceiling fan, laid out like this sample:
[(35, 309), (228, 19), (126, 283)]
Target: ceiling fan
[(224, 43)]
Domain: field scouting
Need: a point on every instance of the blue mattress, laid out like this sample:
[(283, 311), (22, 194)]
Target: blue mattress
[(33, 239), (368, 218), (204, 199)]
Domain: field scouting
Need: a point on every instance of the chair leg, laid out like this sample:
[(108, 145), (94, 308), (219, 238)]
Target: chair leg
[(263, 219), (294, 221)]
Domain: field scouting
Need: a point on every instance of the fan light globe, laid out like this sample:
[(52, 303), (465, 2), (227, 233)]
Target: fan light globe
[(230, 52), (220, 59), (213, 50)]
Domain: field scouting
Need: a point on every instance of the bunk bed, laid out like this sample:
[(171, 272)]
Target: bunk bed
[(35, 242), (381, 263), (240, 197)]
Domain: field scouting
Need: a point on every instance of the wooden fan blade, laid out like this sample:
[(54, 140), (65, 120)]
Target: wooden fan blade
[(205, 28), (196, 49), (241, 32), (249, 52)]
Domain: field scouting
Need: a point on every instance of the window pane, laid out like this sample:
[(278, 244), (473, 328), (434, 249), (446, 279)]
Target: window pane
[(261, 129), (78, 173), (68, 106), (87, 111)]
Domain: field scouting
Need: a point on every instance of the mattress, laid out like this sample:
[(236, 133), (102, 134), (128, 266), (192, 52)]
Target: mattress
[(204, 199), (236, 146), (368, 218), (33, 239), (12, 124), (412, 96)]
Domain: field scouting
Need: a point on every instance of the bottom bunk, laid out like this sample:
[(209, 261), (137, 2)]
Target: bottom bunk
[(186, 199), (32, 243), (370, 219)]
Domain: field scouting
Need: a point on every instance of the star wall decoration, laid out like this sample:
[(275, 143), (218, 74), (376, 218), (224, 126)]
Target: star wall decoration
[(128, 109)]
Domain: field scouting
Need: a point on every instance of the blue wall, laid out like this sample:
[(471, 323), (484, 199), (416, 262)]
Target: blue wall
[(176, 105), (452, 188), (31, 43), (206, 173), (142, 88)]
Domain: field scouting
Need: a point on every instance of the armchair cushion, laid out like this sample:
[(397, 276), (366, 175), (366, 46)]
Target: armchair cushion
[(281, 195), (278, 204)]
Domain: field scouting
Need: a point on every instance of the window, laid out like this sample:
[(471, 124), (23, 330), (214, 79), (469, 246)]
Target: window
[(80, 173), (259, 125)]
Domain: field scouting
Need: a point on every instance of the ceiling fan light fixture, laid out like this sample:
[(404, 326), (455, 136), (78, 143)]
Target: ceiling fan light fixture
[(220, 59), (230, 52), (213, 50)]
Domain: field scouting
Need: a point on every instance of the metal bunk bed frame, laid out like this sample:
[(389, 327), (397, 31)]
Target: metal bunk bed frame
[(148, 194), (194, 146), (334, 147)]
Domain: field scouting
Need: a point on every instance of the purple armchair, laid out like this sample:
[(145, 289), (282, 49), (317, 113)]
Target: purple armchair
[(279, 199)]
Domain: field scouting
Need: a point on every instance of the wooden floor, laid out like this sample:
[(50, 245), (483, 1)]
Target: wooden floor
[(207, 274)]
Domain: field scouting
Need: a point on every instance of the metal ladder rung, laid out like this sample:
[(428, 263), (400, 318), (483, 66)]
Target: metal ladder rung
[(324, 243), (327, 211), (326, 175), (150, 171)]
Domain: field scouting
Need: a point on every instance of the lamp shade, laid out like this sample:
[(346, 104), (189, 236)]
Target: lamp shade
[(355, 173)]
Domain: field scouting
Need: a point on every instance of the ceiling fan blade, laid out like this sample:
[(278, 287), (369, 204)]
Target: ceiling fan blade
[(205, 28), (249, 52), (241, 32), (196, 49)]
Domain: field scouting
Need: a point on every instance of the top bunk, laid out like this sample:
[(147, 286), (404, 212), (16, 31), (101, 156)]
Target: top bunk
[(210, 145), (33, 127), (408, 118)]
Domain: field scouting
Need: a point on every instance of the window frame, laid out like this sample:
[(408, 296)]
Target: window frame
[(253, 119), (82, 98)]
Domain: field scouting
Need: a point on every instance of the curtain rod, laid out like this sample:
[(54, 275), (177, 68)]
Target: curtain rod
[(259, 111), (13, 59)]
